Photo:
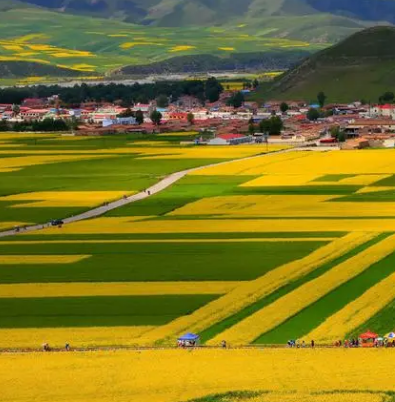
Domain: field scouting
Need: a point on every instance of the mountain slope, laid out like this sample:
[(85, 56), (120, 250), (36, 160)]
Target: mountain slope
[(360, 67), (215, 12)]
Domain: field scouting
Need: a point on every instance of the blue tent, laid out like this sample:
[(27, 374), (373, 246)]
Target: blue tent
[(189, 337)]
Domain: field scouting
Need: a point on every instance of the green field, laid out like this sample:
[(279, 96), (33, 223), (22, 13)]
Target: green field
[(113, 262), (244, 251), (97, 47), (96, 311)]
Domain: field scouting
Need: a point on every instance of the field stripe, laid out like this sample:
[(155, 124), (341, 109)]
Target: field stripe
[(197, 240), (126, 225), (115, 289), (40, 259), (249, 292), (276, 313), (356, 313), (76, 336)]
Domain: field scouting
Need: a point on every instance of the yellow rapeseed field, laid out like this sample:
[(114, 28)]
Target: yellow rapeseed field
[(17, 163), (10, 225), (40, 259), (180, 375), (122, 225), (63, 198), (251, 291), (180, 240), (181, 48), (151, 152), (375, 162), (81, 337), (356, 313), (285, 206), (114, 288), (249, 329)]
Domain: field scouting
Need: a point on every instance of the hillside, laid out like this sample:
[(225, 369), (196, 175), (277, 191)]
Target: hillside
[(63, 33), (217, 12), (360, 67), (24, 69), (311, 20)]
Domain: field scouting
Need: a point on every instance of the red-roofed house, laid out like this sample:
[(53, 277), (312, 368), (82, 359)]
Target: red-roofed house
[(230, 139)]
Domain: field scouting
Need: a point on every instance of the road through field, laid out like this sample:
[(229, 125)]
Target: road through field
[(156, 188)]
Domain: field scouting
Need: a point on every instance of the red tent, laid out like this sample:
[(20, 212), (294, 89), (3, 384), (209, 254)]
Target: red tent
[(368, 335)]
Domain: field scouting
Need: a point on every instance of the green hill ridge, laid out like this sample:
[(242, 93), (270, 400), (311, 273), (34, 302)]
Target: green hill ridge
[(360, 67)]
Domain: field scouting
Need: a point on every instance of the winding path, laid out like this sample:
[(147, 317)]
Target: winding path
[(156, 188)]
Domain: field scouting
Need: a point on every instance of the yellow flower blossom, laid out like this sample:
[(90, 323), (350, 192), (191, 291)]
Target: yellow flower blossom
[(63, 198), (179, 375), (113, 288)]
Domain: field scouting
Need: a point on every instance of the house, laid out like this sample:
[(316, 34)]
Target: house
[(120, 121), (33, 114), (230, 139), (35, 103), (386, 110)]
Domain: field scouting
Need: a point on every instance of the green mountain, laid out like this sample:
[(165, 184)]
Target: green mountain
[(312, 20), (360, 67), (73, 34)]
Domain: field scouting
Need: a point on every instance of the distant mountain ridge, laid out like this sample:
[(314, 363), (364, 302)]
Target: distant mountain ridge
[(103, 36), (214, 12)]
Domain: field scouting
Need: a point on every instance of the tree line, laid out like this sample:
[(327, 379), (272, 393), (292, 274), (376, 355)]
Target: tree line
[(206, 91), (46, 125)]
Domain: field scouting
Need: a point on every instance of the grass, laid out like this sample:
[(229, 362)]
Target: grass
[(187, 190), (299, 190), (155, 261), (249, 310), (311, 317), (91, 42), (117, 172), (333, 177), (366, 56), (160, 236), (96, 311)]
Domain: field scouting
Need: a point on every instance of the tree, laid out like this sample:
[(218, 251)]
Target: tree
[(337, 133), (126, 113), (251, 128), (255, 83), (284, 107), (342, 136), (272, 126), (213, 89), (334, 131), (191, 118), (313, 114), (139, 115), (321, 97), (156, 117), (162, 101), (387, 97), (15, 110), (236, 100)]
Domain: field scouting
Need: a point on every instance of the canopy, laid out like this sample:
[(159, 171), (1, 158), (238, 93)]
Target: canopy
[(368, 335), (189, 337), (391, 335)]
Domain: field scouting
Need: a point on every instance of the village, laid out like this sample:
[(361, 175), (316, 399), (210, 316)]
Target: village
[(350, 126)]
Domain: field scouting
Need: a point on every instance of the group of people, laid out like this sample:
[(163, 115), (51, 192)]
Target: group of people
[(355, 343), (186, 344), (292, 343), (47, 348)]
